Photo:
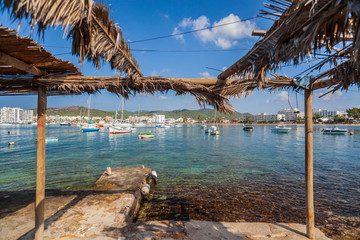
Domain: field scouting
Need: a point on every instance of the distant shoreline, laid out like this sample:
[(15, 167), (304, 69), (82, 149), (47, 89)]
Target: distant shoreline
[(289, 124)]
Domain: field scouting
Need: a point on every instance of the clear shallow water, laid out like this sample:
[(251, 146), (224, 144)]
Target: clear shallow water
[(238, 175)]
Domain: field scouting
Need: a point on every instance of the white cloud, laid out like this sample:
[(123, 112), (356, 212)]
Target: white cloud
[(332, 96), (282, 96), (179, 37), (166, 16), (163, 97), (206, 75), (224, 36)]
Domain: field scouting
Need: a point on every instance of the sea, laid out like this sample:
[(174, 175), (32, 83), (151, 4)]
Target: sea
[(236, 176)]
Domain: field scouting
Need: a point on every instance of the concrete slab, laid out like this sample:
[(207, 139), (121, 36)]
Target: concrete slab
[(113, 201), (123, 178), (203, 230), (22, 221)]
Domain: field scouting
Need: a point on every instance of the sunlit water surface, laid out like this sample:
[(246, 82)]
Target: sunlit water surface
[(237, 176)]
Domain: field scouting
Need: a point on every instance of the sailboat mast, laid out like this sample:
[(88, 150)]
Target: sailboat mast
[(215, 116), (122, 109), (89, 101)]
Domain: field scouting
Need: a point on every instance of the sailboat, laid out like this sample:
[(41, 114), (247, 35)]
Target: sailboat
[(213, 130), (120, 128), (90, 127)]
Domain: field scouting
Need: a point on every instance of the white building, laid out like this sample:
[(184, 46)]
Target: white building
[(328, 114), (290, 114), (159, 118), (264, 117), (16, 115)]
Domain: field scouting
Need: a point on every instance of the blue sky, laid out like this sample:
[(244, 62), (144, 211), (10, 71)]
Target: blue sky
[(148, 18)]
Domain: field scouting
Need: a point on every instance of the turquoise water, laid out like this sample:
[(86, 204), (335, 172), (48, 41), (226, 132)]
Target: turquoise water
[(186, 159)]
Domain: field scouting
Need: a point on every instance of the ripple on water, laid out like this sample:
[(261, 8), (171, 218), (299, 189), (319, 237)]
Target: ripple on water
[(257, 176)]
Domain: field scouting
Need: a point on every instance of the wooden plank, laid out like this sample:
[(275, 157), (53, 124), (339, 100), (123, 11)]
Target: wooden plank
[(16, 63), (309, 182), (40, 165), (258, 33)]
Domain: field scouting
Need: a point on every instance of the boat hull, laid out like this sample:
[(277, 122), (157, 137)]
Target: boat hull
[(280, 130), (146, 136), (335, 133), (118, 131), (90, 129)]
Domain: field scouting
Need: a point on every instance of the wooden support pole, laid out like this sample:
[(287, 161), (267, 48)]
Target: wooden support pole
[(40, 165), (310, 217)]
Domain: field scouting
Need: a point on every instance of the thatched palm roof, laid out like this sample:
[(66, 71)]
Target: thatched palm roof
[(28, 57), (304, 28), (58, 85), (94, 35)]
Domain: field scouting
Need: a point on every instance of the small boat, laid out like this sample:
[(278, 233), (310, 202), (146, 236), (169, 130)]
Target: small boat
[(281, 129), (212, 130), (248, 128), (90, 128), (216, 132), (146, 135), (117, 130), (203, 126), (167, 126), (140, 124), (159, 126), (51, 139), (65, 124), (334, 131)]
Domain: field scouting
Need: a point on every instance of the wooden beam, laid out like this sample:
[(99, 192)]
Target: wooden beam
[(40, 165), (18, 64), (309, 182), (258, 33)]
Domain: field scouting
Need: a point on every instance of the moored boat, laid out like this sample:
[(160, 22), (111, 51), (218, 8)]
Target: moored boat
[(90, 128), (212, 130), (146, 135), (334, 131), (51, 139), (65, 124), (248, 128), (281, 129), (118, 130)]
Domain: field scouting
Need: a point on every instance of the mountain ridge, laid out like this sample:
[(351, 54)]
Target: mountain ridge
[(203, 113)]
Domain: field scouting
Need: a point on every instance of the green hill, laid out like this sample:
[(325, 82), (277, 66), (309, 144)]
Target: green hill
[(200, 114)]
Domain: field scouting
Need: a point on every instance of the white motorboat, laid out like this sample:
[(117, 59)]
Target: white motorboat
[(281, 129), (213, 130), (118, 130), (334, 131)]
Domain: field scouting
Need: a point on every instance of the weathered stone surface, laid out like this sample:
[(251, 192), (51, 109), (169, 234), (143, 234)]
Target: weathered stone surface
[(123, 178), (22, 221), (203, 230), (89, 214)]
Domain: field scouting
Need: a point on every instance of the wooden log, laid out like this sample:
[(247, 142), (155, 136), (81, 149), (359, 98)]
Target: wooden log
[(40, 165), (310, 217)]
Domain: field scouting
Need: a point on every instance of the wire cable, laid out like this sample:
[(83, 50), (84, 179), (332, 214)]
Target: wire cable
[(191, 31)]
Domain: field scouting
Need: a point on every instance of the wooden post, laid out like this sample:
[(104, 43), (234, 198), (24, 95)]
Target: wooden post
[(310, 217), (40, 165)]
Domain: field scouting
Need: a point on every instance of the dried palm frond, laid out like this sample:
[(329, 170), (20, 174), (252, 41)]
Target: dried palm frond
[(303, 29), (121, 86), (94, 35)]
